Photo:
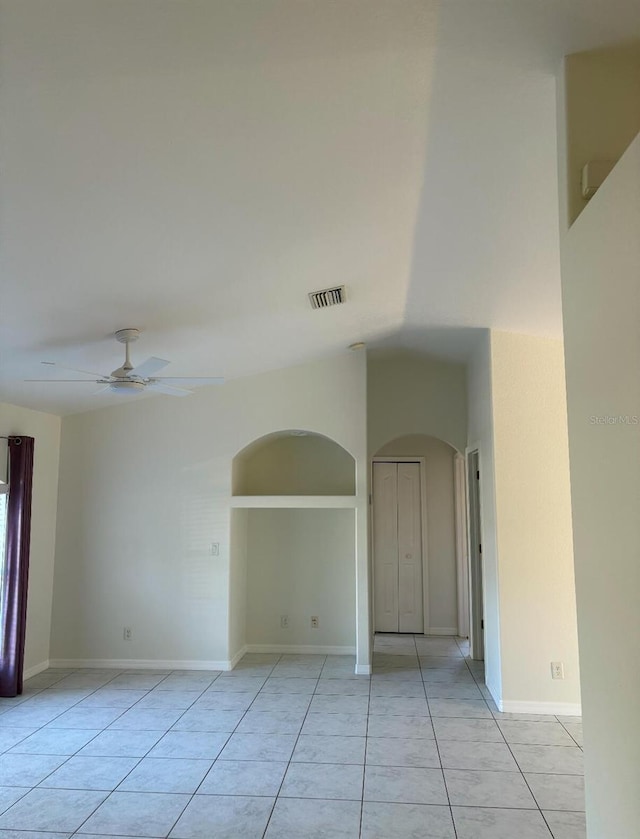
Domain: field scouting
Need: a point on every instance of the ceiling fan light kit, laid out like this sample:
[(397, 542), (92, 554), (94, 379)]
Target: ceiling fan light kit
[(130, 380)]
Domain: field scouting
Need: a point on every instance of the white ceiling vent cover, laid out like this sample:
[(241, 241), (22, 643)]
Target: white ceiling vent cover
[(328, 297)]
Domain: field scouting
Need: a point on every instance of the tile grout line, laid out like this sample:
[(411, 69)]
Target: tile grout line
[(444, 778), (230, 735), (306, 714), (171, 728), (76, 831), (393, 678), (366, 742), (508, 745), (104, 685)]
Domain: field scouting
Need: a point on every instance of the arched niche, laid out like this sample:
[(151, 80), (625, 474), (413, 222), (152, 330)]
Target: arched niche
[(294, 462)]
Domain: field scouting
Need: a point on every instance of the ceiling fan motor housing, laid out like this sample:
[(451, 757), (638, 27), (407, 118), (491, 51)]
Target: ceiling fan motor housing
[(127, 386), (127, 335)]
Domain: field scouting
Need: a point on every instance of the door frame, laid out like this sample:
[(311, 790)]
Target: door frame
[(476, 560), (462, 543), (421, 461)]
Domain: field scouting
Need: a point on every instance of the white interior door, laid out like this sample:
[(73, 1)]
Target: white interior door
[(410, 592), (385, 540), (397, 538)]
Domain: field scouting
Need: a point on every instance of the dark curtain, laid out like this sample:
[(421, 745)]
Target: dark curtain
[(13, 603)]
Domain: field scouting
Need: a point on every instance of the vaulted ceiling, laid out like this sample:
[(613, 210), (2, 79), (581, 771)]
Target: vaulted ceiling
[(195, 167)]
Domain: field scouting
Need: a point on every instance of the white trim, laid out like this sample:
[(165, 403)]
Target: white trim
[(476, 598), (495, 695), (443, 630), (462, 553), (363, 670), (331, 502), (142, 664), (300, 649), (236, 658), (30, 672), (421, 460), (567, 709)]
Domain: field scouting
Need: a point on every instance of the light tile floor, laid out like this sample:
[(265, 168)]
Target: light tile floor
[(287, 747)]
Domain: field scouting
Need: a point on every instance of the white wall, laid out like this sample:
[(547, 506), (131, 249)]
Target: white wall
[(238, 548), (45, 428), (408, 393), (481, 434), (441, 532), (145, 489), (533, 503), (300, 563), (601, 300)]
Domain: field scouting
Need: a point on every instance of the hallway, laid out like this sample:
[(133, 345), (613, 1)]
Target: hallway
[(287, 746)]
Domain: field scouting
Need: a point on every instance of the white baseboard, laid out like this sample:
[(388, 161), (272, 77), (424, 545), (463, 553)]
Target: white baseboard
[(568, 709), (145, 663), (363, 670), (443, 630), (236, 658), (306, 649), (37, 668)]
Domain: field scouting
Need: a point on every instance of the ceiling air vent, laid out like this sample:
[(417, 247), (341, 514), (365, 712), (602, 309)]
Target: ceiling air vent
[(327, 297)]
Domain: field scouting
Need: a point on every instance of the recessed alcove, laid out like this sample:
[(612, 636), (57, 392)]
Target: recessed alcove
[(294, 463), (293, 544)]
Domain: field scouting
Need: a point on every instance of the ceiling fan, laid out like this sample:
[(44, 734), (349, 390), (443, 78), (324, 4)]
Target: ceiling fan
[(130, 380)]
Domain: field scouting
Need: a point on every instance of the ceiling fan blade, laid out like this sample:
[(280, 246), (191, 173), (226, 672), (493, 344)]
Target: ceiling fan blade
[(74, 369), (193, 380), (55, 381), (160, 387), (149, 367), (102, 389)]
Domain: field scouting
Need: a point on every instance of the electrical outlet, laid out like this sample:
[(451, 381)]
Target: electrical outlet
[(127, 633), (557, 670), (215, 549), (284, 621), (315, 621)]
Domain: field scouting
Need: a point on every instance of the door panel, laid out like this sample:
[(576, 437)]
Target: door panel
[(397, 544), (385, 540), (410, 599)]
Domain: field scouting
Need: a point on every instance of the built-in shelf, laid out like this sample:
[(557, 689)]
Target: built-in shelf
[(327, 502)]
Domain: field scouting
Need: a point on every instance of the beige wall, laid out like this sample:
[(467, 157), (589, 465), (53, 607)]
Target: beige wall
[(441, 534), (411, 394), (602, 100), (300, 563), (293, 465), (145, 489), (481, 434), (517, 418), (45, 428), (601, 302), (534, 534)]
